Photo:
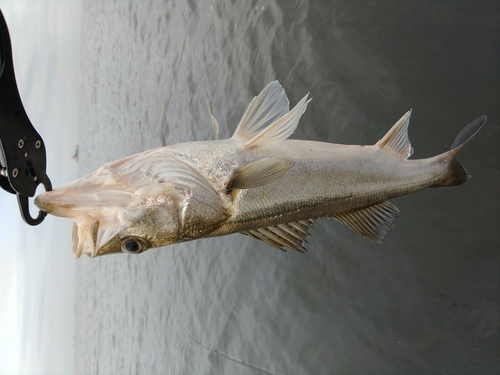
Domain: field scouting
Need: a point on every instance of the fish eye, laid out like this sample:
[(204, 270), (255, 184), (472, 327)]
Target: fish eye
[(132, 245)]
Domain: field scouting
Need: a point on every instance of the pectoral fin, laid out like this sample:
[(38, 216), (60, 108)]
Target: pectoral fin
[(258, 173), (374, 222), (284, 236)]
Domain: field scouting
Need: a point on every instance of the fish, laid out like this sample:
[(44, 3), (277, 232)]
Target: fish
[(259, 183)]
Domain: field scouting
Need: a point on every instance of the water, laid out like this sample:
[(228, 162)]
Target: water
[(427, 301)]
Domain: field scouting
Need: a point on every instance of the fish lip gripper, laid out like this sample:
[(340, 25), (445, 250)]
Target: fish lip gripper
[(23, 159)]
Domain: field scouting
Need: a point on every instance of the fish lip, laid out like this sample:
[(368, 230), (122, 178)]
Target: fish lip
[(43, 204), (55, 203)]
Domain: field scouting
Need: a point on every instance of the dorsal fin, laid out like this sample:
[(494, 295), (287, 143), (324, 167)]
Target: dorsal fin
[(284, 236), (268, 118), (271, 104), (397, 139)]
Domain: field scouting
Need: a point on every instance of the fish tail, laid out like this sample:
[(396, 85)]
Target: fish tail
[(457, 174)]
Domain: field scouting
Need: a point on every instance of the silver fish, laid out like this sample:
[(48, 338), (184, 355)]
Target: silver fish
[(258, 183)]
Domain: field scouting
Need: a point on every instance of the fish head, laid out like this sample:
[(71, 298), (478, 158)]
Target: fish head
[(113, 214)]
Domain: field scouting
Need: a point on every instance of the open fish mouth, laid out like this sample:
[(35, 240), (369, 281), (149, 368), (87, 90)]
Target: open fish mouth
[(95, 222), (95, 203), (82, 210)]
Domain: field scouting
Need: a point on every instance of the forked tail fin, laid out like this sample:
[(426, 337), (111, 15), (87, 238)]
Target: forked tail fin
[(456, 172)]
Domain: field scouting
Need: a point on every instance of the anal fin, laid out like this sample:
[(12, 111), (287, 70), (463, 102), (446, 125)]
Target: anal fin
[(374, 222), (284, 236)]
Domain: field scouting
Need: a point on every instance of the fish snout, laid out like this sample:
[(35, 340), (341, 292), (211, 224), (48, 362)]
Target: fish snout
[(56, 203)]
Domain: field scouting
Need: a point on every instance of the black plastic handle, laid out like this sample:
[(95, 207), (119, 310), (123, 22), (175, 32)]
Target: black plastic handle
[(22, 151)]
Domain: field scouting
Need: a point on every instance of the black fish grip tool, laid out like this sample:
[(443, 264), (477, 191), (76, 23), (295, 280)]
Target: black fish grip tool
[(22, 151)]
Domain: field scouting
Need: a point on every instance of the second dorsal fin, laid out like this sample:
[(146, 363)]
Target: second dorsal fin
[(397, 139)]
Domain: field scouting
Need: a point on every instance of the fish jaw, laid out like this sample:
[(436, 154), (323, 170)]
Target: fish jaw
[(71, 204), (91, 194), (95, 202), (56, 203)]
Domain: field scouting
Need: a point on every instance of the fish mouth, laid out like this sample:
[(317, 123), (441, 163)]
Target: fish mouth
[(57, 203), (87, 196), (67, 203), (96, 213)]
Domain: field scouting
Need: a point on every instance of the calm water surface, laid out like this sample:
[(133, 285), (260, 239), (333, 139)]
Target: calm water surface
[(427, 301)]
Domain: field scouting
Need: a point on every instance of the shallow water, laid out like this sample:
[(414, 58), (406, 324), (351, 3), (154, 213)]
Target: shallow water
[(426, 301)]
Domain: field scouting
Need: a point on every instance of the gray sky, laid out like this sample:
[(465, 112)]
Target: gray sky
[(37, 269)]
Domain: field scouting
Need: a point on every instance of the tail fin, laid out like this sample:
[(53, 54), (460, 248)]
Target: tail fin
[(456, 172)]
